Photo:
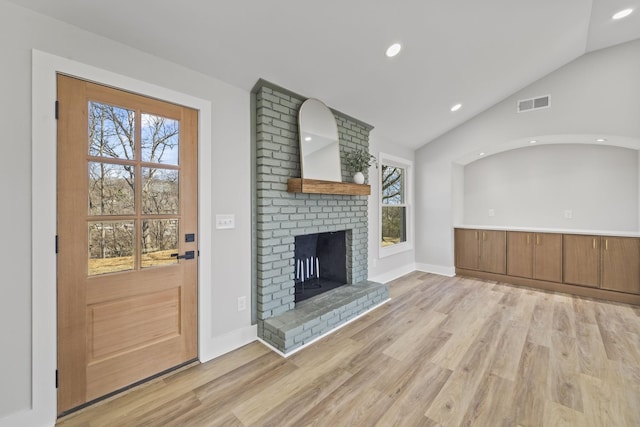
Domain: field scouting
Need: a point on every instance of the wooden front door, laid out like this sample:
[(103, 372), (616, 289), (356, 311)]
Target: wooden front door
[(127, 239)]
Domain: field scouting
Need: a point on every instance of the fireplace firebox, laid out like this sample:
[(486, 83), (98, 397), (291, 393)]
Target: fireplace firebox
[(320, 263)]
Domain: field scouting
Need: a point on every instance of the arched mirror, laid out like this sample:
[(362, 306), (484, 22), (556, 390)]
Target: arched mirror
[(319, 145)]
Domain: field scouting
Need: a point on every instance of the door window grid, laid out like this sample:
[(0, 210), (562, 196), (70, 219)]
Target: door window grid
[(126, 183)]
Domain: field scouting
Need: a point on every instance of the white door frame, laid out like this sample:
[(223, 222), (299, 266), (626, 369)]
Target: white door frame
[(43, 222)]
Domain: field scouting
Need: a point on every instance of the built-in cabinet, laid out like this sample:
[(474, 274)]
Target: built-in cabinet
[(620, 264), (547, 257), (581, 260), (467, 248), (520, 254), (482, 250), (598, 266), (534, 255), (605, 262), (493, 256)]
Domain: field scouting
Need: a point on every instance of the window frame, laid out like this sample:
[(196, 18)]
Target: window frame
[(407, 165)]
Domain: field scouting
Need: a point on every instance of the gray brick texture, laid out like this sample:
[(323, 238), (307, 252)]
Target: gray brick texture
[(282, 215)]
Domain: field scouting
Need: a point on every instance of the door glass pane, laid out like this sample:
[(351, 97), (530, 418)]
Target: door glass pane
[(111, 247), (159, 241), (159, 139), (394, 225), (392, 185), (111, 189), (159, 191), (111, 131)]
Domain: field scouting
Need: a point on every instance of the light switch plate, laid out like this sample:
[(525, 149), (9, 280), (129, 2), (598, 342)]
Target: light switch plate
[(492, 212), (225, 221), (568, 214)]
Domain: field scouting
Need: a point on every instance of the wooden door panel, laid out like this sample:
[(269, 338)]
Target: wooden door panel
[(114, 373), (466, 248), (547, 257), (493, 252), (581, 260), (621, 264), (520, 254), (118, 327), (156, 317), (149, 280)]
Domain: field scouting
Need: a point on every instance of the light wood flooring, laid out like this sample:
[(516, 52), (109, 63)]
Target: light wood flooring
[(443, 351)]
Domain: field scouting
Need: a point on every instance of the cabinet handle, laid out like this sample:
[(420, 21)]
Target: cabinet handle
[(476, 235), (606, 244), (594, 243), (528, 239), (484, 235), (537, 239)]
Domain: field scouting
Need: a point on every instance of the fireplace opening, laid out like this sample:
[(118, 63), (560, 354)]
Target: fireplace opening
[(320, 263)]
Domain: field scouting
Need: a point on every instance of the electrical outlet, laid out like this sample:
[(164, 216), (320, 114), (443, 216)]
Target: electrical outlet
[(492, 212), (568, 214), (242, 303), (225, 221)]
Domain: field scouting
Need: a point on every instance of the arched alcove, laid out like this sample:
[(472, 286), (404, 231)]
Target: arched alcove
[(587, 182)]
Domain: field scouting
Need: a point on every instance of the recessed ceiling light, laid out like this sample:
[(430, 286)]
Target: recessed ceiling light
[(307, 138), (393, 50), (456, 107), (601, 140), (482, 154), (622, 14), (533, 141)]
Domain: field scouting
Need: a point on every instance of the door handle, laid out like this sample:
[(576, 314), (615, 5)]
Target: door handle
[(187, 255)]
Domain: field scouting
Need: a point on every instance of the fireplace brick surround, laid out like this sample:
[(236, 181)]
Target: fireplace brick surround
[(280, 216)]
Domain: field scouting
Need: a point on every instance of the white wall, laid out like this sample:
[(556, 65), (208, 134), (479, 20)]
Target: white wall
[(534, 186), (23, 31), (392, 266), (597, 94)]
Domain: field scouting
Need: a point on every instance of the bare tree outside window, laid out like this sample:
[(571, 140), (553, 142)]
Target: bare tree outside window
[(113, 173), (393, 214)]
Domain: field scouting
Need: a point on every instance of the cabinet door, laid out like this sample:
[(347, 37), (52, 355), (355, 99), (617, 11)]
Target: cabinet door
[(466, 249), (581, 260), (621, 264), (519, 254), (493, 252), (547, 257)]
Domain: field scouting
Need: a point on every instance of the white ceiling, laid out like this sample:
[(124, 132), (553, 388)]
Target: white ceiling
[(468, 51)]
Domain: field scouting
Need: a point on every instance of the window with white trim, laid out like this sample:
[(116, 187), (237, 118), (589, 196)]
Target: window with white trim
[(395, 207)]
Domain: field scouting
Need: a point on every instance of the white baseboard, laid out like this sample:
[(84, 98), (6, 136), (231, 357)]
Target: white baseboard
[(437, 269), (393, 274), (217, 346), (28, 418)]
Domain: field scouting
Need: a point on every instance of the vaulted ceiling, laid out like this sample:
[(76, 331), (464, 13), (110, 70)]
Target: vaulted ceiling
[(456, 51)]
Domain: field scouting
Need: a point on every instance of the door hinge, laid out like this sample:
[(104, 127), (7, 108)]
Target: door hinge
[(56, 378), (56, 243), (57, 109)]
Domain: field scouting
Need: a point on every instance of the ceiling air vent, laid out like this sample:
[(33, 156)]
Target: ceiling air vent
[(534, 103)]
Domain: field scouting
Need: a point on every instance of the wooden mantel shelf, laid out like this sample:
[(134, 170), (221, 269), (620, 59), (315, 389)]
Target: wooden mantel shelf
[(316, 186)]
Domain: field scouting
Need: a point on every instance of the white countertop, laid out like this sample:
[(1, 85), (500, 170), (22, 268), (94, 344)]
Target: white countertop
[(553, 230)]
